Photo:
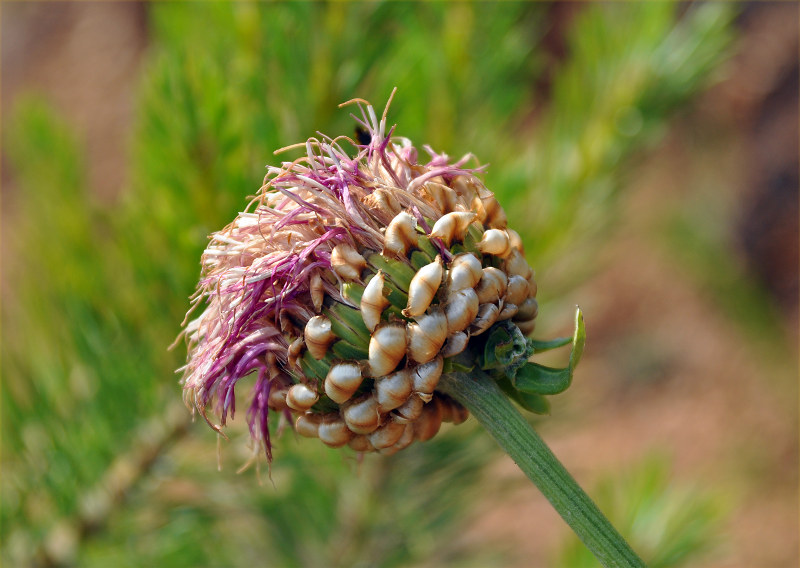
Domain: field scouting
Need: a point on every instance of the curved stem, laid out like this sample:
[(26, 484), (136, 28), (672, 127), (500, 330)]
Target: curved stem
[(484, 399)]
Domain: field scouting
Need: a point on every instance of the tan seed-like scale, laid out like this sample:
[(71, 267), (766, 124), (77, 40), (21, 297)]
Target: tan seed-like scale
[(428, 424), (342, 381), (487, 315), (461, 309), (465, 272), (492, 286), (423, 288), (410, 410), (426, 377), (360, 443), (452, 226), (363, 415), (393, 390), (301, 398), (441, 195), (515, 263), (517, 290), (529, 309), (317, 291), (277, 398), (387, 347), (455, 344), (307, 425), (347, 262), (405, 440), (426, 336), (508, 311), (387, 435), (318, 336), (333, 431), (401, 235), (373, 302), (294, 351)]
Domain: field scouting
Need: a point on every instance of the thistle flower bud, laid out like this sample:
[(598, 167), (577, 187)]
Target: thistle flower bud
[(348, 287)]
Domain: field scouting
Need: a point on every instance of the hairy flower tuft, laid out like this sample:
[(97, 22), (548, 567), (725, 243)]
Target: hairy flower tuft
[(349, 285)]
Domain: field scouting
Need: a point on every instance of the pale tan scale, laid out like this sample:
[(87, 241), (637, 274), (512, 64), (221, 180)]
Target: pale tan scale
[(317, 291), (347, 262), (429, 422), (444, 197), (532, 287), (401, 235), (517, 290), (495, 242), (393, 390), (426, 377), (492, 285), (461, 309), (515, 240), (342, 381), (465, 187), (307, 425), (387, 435), (508, 311), (382, 200), (480, 210), (362, 416), (452, 411), (423, 288), (373, 302), (487, 315), (465, 272), (286, 324), (515, 264), (527, 326), (495, 215), (387, 347), (360, 443), (405, 440), (277, 398), (410, 409), (333, 431), (455, 344), (318, 336), (452, 226), (294, 351), (529, 309), (301, 397), (426, 336)]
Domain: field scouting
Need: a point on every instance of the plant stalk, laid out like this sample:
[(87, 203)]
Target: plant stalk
[(483, 398)]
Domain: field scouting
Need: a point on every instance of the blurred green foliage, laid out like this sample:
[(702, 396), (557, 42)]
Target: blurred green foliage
[(669, 526), (96, 292)]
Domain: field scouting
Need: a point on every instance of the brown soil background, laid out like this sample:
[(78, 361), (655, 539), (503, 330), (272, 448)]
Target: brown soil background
[(724, 410)]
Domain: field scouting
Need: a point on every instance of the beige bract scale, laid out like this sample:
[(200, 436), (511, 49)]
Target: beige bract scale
[(346, 288)]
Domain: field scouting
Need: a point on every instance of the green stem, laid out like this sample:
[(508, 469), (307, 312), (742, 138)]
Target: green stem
[(484, 399)]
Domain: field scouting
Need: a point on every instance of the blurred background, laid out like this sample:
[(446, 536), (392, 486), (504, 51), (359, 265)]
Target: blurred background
[(647, 153)]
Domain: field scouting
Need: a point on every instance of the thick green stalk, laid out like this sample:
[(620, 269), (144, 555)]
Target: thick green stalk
[(484, 399)]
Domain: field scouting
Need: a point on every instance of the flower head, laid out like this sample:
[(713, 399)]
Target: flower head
[(349, 284)]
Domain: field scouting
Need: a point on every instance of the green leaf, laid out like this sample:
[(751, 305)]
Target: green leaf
[(535, 403), (540, 346), (533, 378)]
